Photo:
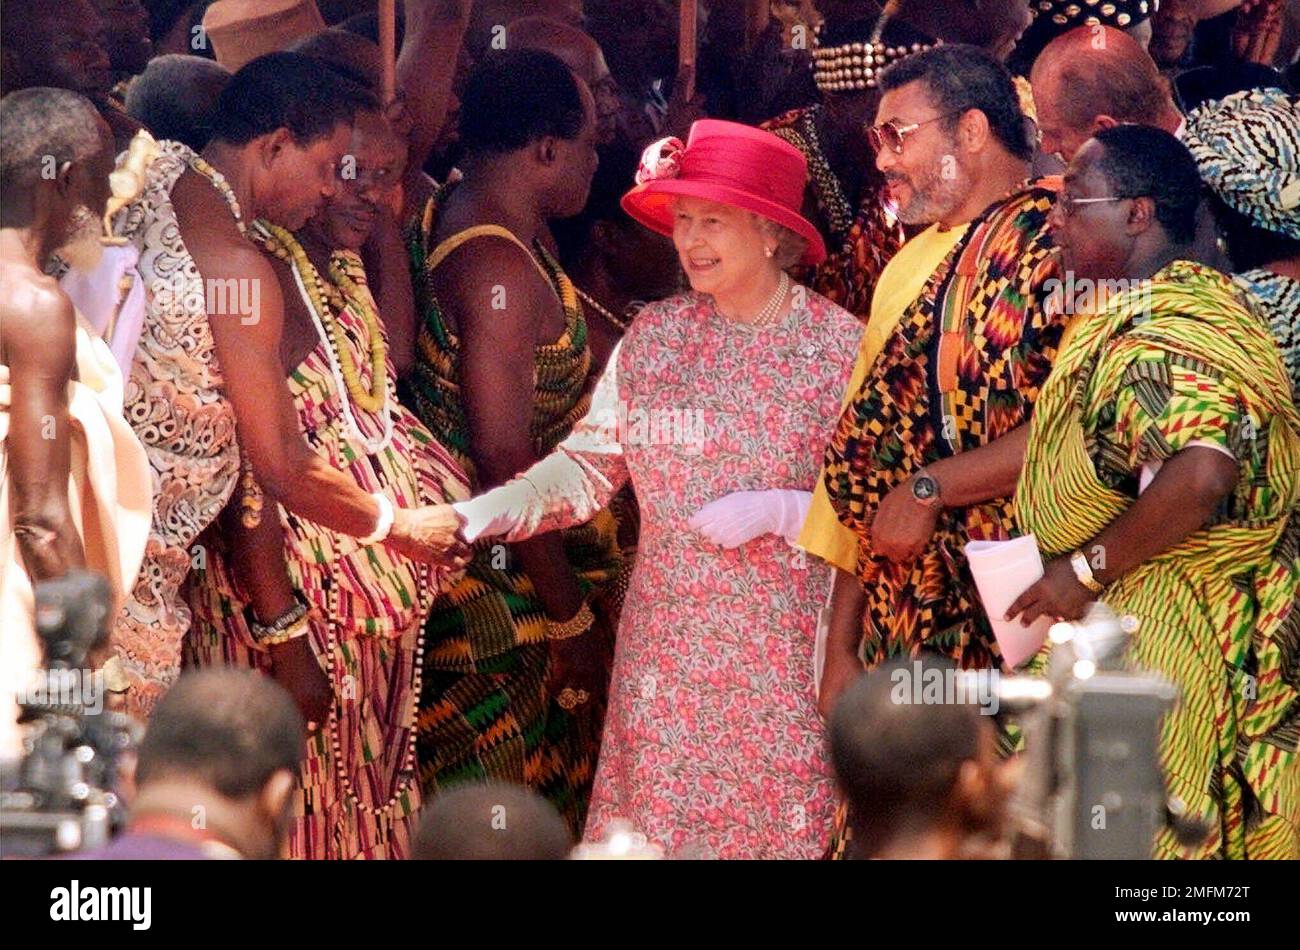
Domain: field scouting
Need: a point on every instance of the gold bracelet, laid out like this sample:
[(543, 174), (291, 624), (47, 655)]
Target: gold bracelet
[(299, 628), (575, 626)]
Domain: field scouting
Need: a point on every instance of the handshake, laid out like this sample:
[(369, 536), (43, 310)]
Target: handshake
[(429, 535), (442, 534)]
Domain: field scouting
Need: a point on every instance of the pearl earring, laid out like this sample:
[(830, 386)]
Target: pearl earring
[(769, 251)]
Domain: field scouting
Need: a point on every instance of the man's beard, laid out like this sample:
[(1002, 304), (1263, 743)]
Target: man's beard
[(82, 250), (936, 196)]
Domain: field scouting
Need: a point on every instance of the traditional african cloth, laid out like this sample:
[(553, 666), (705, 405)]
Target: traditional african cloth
[(1278, 299), (901, 282), (485, 712), (175, 404), (859, 241), (368, 600), (962, 368), (1162, 367), (1247, 149)]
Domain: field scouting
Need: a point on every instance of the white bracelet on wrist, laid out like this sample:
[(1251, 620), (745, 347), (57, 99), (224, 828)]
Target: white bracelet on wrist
[(383, 523)]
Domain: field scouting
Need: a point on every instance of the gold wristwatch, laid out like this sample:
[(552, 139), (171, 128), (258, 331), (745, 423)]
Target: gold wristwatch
[(1083, 571)]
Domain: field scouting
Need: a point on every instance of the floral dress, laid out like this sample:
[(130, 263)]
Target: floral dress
[(712, 744)]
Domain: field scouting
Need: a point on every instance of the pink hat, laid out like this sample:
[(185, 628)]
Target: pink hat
[(731, 164)]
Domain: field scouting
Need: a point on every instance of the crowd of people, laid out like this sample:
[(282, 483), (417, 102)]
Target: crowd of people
[(534, 419)]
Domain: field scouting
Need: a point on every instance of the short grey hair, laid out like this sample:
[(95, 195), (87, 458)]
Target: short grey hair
[(176, 97)]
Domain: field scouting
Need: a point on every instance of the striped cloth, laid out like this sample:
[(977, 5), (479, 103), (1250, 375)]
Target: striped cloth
[(1217, 613), (375, 601), (485, 713)]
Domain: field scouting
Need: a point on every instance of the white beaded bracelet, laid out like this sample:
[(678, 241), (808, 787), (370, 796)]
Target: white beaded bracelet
[(383, 524)]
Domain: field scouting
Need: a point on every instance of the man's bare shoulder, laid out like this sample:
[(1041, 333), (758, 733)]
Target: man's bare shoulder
[(34, 306), (493, 273), (37, 319), (210, 233)]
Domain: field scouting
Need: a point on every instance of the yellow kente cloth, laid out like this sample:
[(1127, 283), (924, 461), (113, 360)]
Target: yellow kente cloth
[(901, 282), (1217, 614)]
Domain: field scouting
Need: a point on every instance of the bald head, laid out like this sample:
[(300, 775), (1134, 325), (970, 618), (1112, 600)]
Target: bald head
[(353, 54), (578, 50), (1092, 78), (580, 53), (230, 729), (491, 822)]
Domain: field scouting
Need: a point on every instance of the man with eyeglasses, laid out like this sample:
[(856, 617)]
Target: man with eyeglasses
[(929, 446), (1160, 476)]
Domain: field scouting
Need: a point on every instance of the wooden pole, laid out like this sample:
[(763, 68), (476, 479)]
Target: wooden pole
[(388, 49), (686, 43), (756, 16)]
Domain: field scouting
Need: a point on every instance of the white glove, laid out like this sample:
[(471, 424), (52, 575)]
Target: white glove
[(496, 512), (734, 519)]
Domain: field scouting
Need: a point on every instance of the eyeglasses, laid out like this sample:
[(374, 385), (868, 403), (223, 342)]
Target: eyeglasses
[(1068, 204), (893, 135)]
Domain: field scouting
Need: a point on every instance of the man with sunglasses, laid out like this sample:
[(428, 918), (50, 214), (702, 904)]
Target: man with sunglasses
[(930, 442)]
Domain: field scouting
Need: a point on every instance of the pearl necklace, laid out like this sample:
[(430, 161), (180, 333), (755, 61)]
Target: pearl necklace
[(768, 314), (318, 319)]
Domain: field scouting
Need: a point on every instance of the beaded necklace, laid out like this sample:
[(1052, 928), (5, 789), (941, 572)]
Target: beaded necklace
[(218, 181), (619, 325), (408, 767), (322, 299), (251, 499)]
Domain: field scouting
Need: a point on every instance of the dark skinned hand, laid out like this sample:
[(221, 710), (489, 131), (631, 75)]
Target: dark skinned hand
[(581, 662), (1058, 594), (902, 527), (295, 667)]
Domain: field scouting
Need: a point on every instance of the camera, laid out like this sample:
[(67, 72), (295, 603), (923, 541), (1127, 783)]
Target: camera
[(1092, 786), (59, 795)]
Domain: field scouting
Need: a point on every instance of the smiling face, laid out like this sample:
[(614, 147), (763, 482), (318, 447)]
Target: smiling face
[(720, 247), (927, 180), (369, 176)]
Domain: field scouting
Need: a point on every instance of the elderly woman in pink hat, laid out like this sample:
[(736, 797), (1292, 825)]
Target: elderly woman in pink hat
[(717, 405)]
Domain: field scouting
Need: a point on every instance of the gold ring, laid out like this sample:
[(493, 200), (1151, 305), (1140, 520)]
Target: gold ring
[(571, 698)]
